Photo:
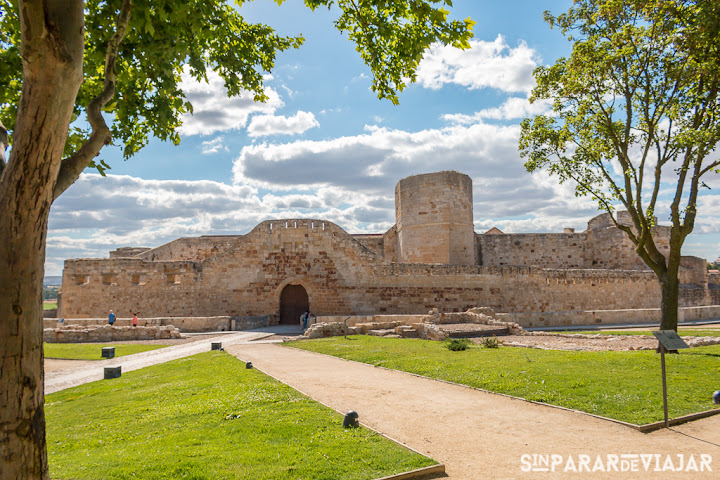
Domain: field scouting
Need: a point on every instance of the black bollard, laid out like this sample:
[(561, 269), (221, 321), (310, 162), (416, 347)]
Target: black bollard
[(351, 420), (112, 372), (108, 352)]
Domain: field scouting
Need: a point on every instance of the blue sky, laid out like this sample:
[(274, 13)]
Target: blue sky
[(324, 146)]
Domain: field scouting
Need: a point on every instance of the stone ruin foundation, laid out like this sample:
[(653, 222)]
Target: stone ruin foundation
[(475, 322)]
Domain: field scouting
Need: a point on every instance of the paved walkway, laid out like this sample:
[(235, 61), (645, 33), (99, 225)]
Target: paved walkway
[(482, 435), (85, 372)]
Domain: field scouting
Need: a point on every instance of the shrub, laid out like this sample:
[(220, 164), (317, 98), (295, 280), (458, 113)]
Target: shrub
[(458, 344), (490, 342)]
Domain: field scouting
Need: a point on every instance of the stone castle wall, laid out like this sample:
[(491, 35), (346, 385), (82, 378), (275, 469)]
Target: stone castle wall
[(431, 258), (714, 288), (544, 250), (190, 249), (341, 276), (602, 245)]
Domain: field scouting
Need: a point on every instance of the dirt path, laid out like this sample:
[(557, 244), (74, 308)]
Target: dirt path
[(56, 364), (481, 435)]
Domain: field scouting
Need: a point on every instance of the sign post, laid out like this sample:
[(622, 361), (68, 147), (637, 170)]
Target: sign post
[(669, 340)]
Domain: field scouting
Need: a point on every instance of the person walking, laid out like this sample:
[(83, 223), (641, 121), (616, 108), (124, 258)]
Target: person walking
[(134, 319), (304, 318), (111, 318)]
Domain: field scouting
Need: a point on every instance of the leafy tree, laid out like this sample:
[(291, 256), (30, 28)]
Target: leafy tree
[(120, 61), (635, 112)]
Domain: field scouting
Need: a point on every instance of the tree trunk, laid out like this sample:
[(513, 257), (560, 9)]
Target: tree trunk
[(52, 49), (669, 285)]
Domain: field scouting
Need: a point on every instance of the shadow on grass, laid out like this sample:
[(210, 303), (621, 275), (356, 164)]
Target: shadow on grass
[(705, 354)]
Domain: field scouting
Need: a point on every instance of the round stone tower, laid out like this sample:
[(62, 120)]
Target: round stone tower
[(434, 219)]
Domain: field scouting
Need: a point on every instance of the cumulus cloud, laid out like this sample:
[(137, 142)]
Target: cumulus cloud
[(485, 65), (214, 112), (511, 109), (375, 160), (215, 145), (264, 125)]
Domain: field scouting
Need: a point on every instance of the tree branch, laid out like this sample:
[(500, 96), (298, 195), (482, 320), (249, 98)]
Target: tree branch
[(712, 166), (72, 166)]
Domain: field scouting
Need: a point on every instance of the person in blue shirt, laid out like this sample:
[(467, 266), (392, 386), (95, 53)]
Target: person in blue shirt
[(111, 318)]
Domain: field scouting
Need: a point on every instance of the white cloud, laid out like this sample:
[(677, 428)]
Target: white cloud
[(485, 65), (214, 112), (325, 111), (215, 145), (264, 125), (511, 109)]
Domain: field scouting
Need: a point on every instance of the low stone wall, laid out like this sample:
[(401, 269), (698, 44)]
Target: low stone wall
[(250, 323), (185, 324), (52, 313), (353, 320), (606, 317), (106, 333)]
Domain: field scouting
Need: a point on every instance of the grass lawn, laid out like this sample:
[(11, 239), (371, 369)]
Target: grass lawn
[(681, 332), (622, 385), (52, 305), (207, 417), (83, 351)]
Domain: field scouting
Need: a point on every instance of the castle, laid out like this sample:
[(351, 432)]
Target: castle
[(431, 258)]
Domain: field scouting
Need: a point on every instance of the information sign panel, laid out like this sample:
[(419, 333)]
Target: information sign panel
[(670, 339)]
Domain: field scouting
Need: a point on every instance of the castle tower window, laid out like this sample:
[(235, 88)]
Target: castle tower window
[(173, 279), (137, 279), (82, 279), (109, 279)]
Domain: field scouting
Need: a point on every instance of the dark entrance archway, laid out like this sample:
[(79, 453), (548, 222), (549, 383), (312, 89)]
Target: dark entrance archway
[(293, 303)]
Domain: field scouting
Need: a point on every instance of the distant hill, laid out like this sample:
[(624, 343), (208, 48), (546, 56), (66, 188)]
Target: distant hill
[(52, 280)]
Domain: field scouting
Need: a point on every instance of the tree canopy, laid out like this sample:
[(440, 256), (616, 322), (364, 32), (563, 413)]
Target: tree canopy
[(635, 114), (164, 38)]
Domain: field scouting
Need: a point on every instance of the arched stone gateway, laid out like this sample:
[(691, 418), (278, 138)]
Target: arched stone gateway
[(293, 303)]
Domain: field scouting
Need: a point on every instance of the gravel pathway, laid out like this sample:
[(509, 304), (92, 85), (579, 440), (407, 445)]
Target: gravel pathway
[(592, 343), (482, 435)]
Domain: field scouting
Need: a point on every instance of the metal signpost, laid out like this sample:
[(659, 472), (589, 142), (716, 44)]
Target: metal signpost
[(669, 340)]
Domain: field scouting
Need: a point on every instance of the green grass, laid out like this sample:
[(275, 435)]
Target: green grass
[(623, 385), (83, 351), (49, 305), (682, 333), (207, 417)]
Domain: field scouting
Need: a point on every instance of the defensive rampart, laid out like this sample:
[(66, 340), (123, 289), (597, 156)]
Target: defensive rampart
[(431, 258), (341, 277)]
